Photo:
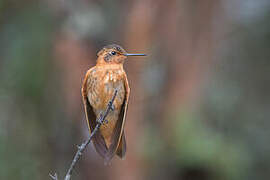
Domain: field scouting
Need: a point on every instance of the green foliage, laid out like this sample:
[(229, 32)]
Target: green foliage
[(193, 145), (26, 42)]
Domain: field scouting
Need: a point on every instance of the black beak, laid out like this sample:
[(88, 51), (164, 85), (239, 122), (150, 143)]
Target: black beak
[(134, 54)]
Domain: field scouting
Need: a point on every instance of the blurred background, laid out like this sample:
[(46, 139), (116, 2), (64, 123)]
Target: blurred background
[(200, 101)]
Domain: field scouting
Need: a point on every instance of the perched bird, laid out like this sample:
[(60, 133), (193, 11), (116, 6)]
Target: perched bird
[(98, 88)]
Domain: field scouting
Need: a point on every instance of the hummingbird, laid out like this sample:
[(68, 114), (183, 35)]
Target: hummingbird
[(98, 88)]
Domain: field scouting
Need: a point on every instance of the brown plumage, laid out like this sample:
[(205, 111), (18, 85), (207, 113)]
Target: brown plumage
[(98, 88)]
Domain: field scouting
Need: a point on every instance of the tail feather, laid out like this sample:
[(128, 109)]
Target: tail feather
[(121, 150)]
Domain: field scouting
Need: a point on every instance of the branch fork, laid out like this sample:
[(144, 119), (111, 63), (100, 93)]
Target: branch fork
[(101, 120)]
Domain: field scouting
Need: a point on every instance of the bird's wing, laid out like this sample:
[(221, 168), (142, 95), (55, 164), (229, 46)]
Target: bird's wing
[(119, 127), (91, 118), (122, 147)]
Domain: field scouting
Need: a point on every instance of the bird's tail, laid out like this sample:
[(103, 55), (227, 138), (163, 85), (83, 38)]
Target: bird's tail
[(121, 150)]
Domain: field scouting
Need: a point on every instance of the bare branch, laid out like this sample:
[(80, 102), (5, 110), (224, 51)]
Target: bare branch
[(54, 177), (81, 148)]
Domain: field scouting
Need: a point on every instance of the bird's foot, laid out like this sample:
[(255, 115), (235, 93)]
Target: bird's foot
[(100, 121), (112, 107)]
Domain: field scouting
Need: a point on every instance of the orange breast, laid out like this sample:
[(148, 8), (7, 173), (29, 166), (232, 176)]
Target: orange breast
[(101, 86)]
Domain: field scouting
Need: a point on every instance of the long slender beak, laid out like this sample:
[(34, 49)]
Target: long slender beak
[(134, 54)]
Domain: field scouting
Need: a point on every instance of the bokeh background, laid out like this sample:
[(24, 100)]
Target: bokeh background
[(200, 101)]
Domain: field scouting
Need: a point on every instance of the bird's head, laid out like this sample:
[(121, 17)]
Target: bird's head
[(113, 54)]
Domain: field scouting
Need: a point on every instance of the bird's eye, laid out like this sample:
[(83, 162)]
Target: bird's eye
[(113, 53)]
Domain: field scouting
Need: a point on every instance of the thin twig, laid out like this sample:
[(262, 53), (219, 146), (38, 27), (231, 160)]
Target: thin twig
[(81, 148), (54, 177)]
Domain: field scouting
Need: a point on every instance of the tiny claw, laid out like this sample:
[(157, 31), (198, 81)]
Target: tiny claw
[(100, 119), (112, 107), (100, 122)]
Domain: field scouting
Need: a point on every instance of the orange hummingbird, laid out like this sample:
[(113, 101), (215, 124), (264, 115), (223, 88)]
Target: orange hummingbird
[(98, 88)]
